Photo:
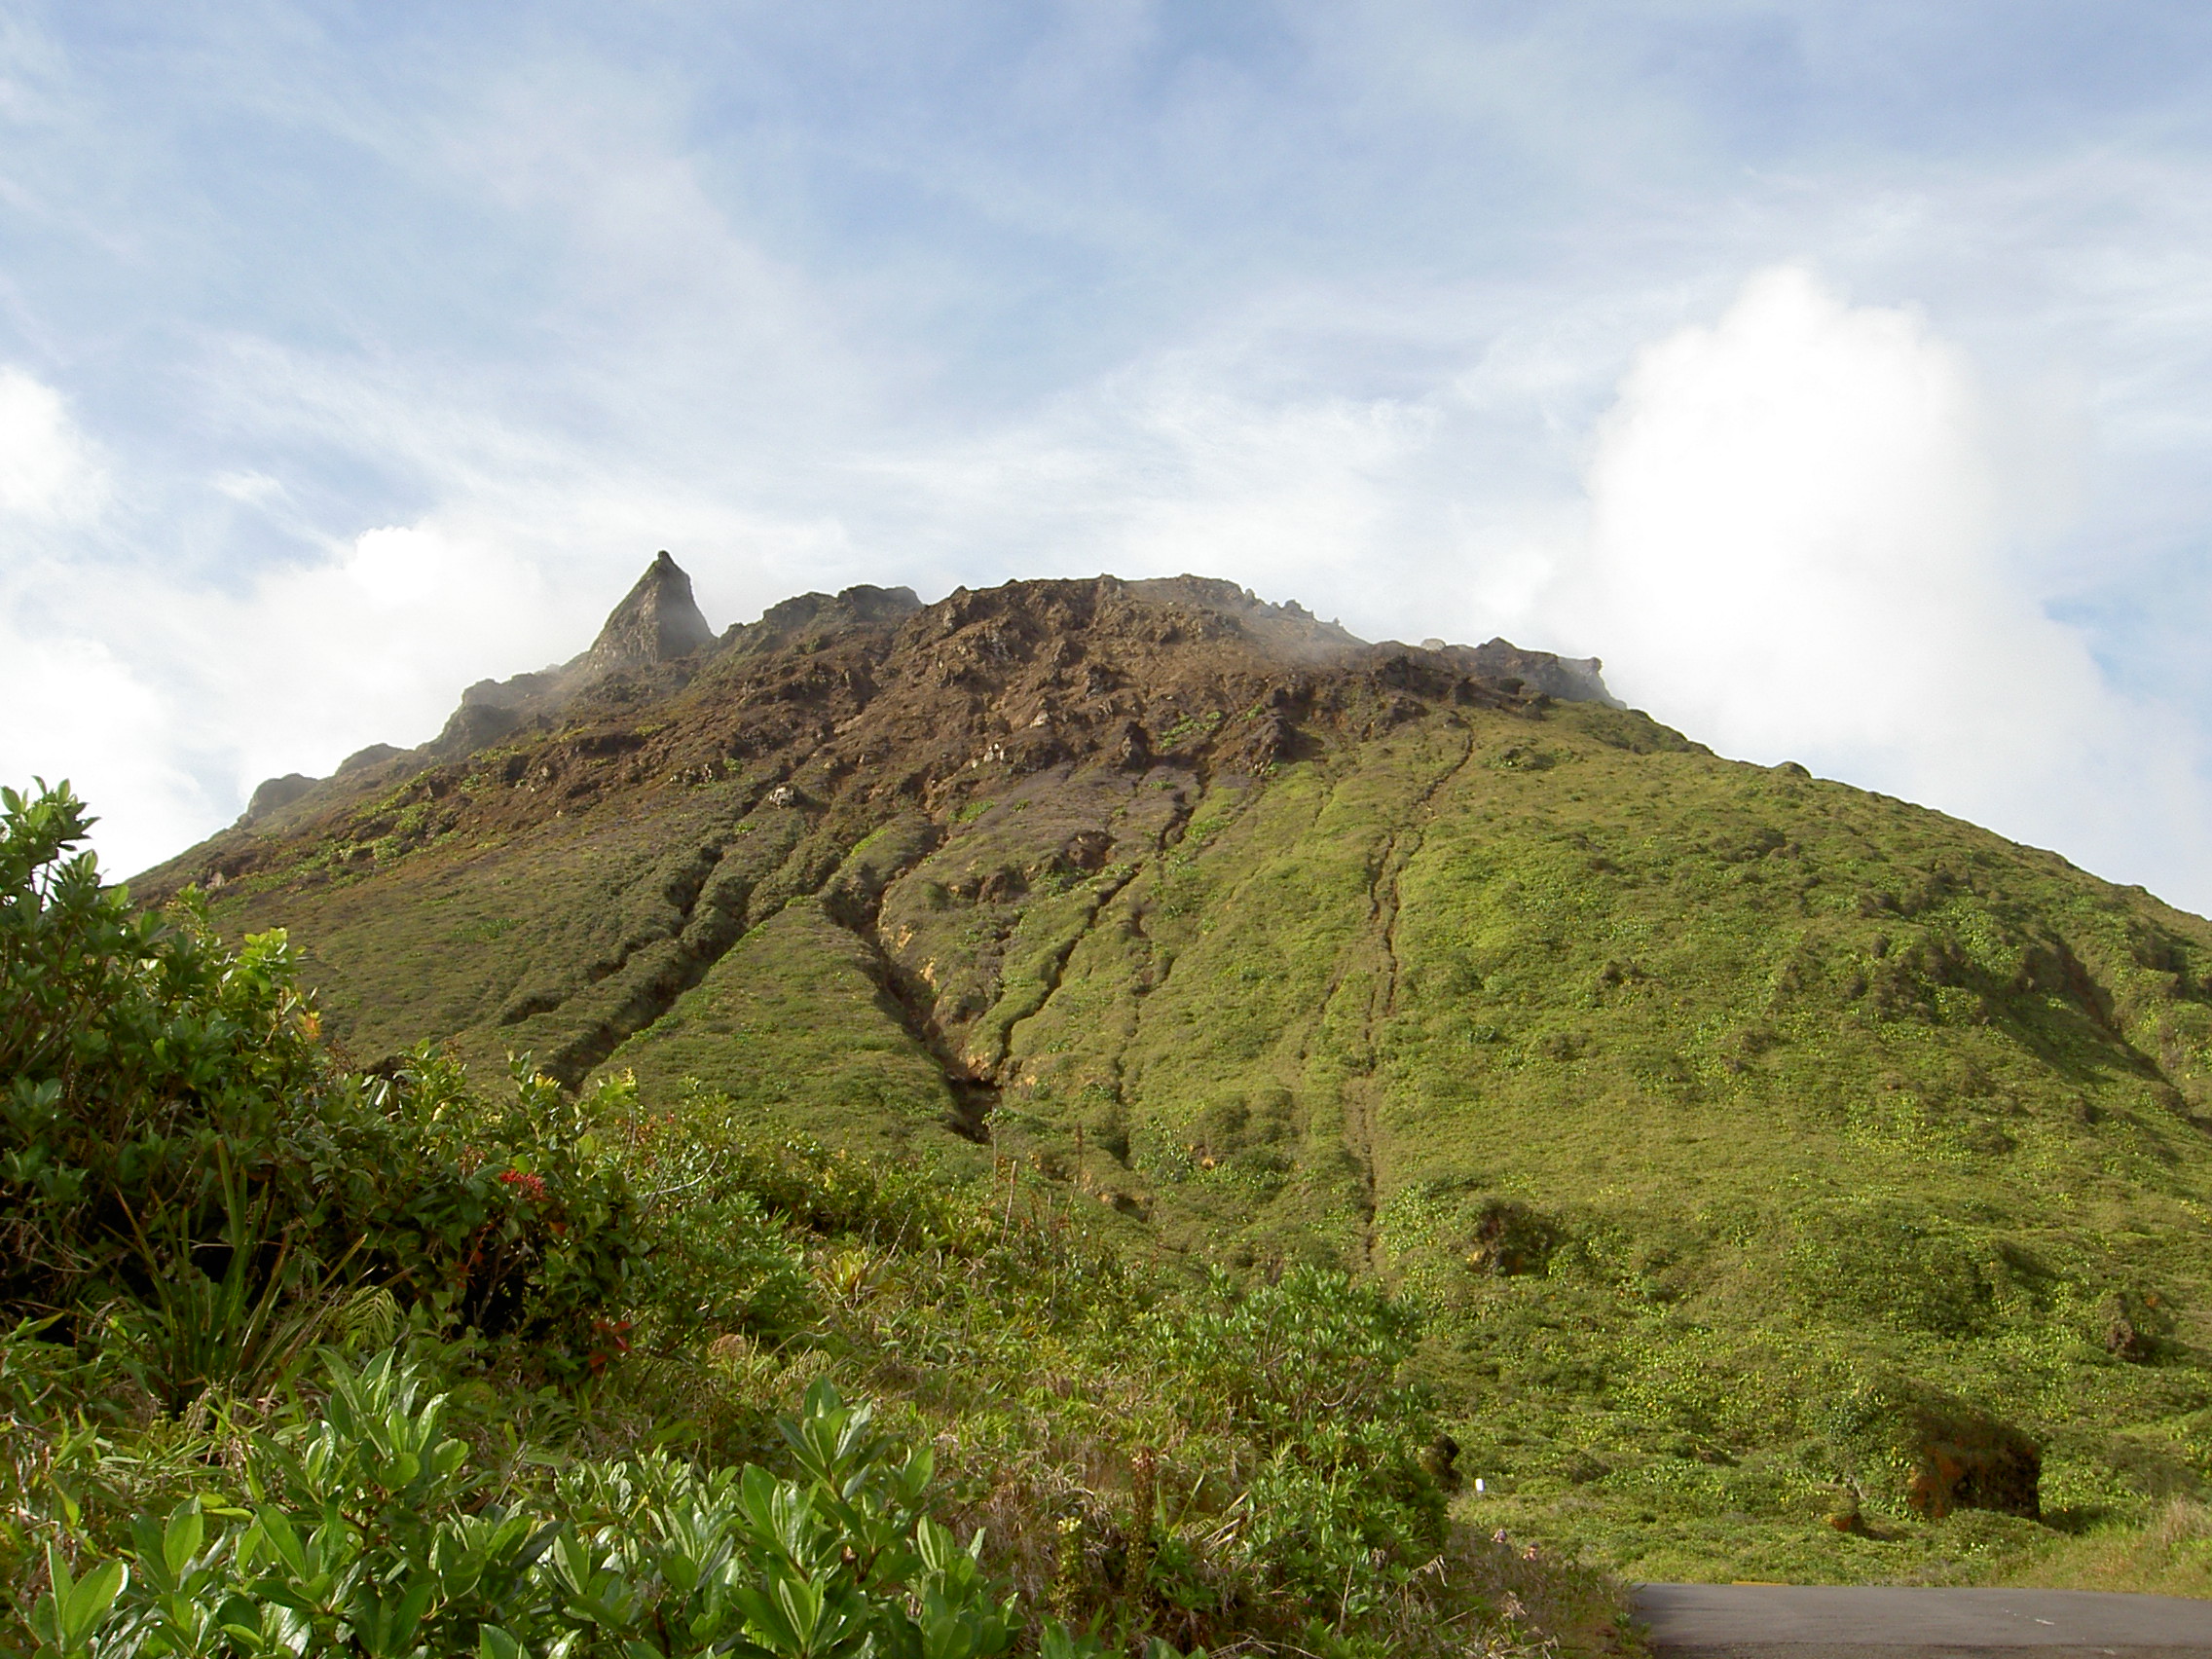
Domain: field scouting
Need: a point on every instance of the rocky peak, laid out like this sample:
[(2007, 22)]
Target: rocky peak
[(1026, 675), (656, 622), (1571, 680), (815, 615), (274, 794)]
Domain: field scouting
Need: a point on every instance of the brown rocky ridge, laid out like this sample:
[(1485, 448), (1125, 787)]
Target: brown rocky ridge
[(717, 780)]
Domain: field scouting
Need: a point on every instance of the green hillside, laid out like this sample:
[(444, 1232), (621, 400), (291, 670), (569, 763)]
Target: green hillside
[(1728, 1124)]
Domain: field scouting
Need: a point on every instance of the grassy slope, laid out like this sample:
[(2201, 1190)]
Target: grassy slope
[(443, 937), (1685, 1093), (1790, 1083), (790, 1025)]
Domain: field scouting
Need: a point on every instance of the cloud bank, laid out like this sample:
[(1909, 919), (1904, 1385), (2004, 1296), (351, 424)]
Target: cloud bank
[(1812, 536), (47, 472)]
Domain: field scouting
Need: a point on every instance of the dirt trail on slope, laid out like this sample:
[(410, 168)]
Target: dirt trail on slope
[(1363, 1092)]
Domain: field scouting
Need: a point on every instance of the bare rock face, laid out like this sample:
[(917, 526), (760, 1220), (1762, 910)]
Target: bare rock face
[(361, 760), (1179, 671), (276, 793), (657, 622), (1569, 679), (821, 616), (1080, 662)]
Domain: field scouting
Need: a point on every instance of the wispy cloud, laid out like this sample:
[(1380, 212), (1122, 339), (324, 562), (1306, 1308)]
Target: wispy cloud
[(49, 473)]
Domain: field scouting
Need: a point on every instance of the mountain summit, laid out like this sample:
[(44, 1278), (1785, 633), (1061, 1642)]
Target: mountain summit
[(656, 622), (656, 640)]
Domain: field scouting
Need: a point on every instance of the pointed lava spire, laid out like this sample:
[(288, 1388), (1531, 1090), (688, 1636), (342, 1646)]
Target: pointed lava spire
[(657, 621)]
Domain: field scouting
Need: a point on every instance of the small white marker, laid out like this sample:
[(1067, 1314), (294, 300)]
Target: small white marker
[(1478, 1485)]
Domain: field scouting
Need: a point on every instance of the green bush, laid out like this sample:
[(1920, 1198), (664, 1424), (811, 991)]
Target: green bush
[(370, 1532), (187, 1177), (1308, 1373), (140, 1057), (1274, 1360), (722, 1216), (514, 1213)]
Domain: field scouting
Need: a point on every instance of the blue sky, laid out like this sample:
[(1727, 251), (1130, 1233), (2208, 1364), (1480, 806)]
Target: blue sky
[(1841, 374)]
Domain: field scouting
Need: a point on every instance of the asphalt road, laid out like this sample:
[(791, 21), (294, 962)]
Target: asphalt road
[(1775, 1621)]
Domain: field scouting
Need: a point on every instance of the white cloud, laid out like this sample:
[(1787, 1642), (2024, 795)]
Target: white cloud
[(78, 711), (164, 700), (1805, 536), (314, 662), (74, 707), (249, 488), (47, 473), (807, 312), (1169, 469), (1804, 543)]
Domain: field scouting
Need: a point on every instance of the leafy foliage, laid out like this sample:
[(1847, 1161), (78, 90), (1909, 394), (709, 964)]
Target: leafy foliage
[(1308, 1371), (141, 1060), (369, 1533), (180, 1159)]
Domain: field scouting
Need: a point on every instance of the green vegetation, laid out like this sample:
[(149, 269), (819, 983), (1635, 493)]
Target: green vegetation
[(1692, 1099), (190, 1183), (788, 1025), (366, 1529), (308, 1362), (1739, 1134)]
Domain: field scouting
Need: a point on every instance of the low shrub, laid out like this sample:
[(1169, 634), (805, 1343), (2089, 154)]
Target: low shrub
[(367, 1530), (186, 1176)]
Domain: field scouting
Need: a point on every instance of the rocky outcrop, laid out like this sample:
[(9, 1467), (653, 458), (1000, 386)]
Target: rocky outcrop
[(1183, 669), (812, 617), (656, 622), (276, 793), (361, 760), (1567, 679), (1287, 632)]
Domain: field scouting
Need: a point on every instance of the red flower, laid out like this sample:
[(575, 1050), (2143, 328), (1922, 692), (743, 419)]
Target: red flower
[(532, 1186), (613, 1342)]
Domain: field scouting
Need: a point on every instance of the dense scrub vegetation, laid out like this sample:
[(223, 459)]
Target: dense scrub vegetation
[(306, 1360)]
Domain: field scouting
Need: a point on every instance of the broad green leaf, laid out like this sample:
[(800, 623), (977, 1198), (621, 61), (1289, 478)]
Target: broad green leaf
[(181, 1540), (86, 1605)]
